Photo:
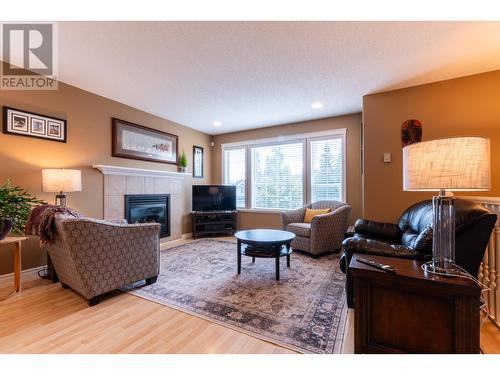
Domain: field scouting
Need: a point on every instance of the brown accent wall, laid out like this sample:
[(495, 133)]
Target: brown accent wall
[(248, 220), (457, 107), (89, 142)]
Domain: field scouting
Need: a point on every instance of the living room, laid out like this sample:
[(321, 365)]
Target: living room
[(241, 187)]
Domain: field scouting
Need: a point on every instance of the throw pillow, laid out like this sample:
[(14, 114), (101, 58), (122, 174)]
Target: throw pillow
[(310, 213)]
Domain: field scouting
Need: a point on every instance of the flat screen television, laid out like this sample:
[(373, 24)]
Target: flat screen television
[(214, 198)]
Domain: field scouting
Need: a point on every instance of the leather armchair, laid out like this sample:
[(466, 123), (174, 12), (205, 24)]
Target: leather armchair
[(324, 233), (411, 237)]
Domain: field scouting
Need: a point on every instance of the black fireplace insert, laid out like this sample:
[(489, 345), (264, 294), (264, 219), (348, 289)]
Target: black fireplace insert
[(149, 208)]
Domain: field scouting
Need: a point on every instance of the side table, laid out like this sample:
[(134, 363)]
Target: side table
[(412, 311), (17, 258)]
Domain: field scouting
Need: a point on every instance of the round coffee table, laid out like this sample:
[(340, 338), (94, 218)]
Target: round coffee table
[(264, 243)]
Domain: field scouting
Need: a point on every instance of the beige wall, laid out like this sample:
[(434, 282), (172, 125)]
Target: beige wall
[(352, 123), (463, 106), (89, 142)]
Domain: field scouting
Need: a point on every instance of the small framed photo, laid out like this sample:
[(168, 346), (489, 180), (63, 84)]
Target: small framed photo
[(54, 129), (19, 123), (197, 162), (28, 124), (38, 126)]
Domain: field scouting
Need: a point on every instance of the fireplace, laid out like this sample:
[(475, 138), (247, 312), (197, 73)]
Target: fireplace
[(149, 208)]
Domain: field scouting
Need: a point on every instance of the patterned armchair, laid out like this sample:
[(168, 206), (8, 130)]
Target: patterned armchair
[(93, 256), (324, 233)]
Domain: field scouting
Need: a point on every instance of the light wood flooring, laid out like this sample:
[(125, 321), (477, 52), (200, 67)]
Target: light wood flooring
[(44, 318)]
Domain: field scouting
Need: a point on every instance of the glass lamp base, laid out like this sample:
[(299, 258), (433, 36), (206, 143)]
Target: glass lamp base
[(450, 270), (60, 199)]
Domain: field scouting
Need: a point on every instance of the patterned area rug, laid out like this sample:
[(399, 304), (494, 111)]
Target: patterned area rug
[(304, 311)]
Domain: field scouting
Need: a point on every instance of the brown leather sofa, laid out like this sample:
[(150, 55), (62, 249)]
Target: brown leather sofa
[(411, 237)]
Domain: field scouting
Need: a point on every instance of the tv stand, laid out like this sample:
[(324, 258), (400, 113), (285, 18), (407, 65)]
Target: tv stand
[(213, 222)]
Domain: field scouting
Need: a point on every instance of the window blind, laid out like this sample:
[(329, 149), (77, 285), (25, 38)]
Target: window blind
[(326, 169), (278, 176)]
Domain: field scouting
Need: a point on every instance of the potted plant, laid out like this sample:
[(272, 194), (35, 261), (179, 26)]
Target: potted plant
[(183, 163), (15, 207)]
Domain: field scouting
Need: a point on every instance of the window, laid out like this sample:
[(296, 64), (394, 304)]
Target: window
[(286, 174), (235, 173), (326, 169), (277, 176)]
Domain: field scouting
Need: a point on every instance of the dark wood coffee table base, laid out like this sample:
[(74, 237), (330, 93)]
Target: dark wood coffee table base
[(247, 250), (268, 246)]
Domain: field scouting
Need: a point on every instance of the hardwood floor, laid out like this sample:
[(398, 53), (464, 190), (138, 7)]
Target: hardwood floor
[(490, 338), (45, 318)]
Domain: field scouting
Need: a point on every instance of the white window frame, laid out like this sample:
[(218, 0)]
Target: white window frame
[(306, 139), (344, 162), (228, 148)]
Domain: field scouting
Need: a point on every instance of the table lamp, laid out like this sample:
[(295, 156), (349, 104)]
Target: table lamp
[(453, 164), (61, 181)]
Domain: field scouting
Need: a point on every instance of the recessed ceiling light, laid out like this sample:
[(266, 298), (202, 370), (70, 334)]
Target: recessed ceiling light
[(217, 124), (317, 105)]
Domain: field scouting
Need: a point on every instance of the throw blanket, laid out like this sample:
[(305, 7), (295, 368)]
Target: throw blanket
[(32, 227), (42, 221)]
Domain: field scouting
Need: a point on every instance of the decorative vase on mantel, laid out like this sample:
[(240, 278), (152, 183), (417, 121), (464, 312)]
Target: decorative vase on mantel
[(5, 228)]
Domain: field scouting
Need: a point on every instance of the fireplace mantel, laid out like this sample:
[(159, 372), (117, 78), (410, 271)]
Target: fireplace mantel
[(127, 171)]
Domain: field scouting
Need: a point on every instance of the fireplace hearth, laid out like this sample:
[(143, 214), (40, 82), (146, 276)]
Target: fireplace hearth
[(149, 208)]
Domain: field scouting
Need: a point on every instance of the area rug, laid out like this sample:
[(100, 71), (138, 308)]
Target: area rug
[(304, 311)]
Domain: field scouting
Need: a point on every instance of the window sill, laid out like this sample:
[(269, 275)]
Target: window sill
[(259, 211)]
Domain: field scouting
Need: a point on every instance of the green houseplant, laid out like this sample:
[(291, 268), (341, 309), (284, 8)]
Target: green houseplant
[(183, 162), (15, 207)]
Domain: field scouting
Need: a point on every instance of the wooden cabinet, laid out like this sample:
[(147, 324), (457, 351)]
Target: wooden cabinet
[(411, 311), (213, 222)]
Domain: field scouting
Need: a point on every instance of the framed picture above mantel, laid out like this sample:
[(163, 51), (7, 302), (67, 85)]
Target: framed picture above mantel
[(135, 141), (29, 124)]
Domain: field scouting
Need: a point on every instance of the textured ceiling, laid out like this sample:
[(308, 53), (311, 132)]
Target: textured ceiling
[(255, 74)]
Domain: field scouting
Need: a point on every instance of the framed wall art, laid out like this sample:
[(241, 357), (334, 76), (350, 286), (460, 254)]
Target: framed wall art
[(28, 124), (134, 141), (197, 162)]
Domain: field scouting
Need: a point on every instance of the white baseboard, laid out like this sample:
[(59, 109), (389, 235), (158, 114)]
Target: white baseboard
[(23, 272)]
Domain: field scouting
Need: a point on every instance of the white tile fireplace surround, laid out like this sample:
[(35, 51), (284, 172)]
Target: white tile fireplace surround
[(119, 181)]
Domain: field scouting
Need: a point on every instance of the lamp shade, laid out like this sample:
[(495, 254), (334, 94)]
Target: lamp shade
[(459, 164), (56, 180)]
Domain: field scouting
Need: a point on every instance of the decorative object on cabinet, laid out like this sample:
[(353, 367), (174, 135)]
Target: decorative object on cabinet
[(411, 132), (134, 141), (28, 124)]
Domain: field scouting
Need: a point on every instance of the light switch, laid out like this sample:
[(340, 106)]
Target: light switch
[(387, 157)]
